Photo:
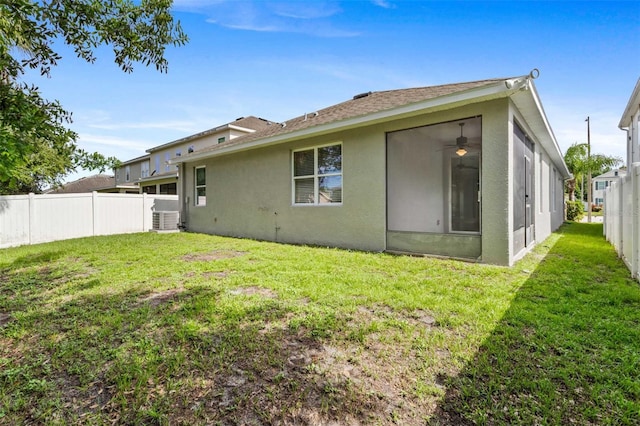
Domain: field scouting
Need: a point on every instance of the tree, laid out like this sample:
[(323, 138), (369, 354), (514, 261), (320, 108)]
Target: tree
[(36, 147), (579, 165)]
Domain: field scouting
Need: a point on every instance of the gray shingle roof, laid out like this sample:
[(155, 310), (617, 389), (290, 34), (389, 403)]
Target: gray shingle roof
[(86, 184), (360, 105)]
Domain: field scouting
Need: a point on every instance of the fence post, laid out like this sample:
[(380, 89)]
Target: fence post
[(32, 216), (635, 235), (145, 225), (94, 211)]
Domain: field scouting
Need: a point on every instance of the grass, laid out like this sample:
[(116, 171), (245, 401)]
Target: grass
[(196, 329)]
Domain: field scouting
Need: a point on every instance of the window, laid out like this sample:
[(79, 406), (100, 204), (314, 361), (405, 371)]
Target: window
[(201, 186), (150, 189), (553, 190), (599, 201), (600, 185), (144, 169), (317, 175), (127, 173), (167, 166), (220, 140), (178, 153), (169, 188)]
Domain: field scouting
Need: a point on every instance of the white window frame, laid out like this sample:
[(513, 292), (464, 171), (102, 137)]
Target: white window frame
[(316, 175), (127, 173), (196, 199), (144, 169)]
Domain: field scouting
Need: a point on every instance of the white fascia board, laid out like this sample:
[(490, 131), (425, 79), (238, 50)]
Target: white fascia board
[(632, 107), (135, 160), (549, 131), (193, 137), (484, 93), (240, 128)]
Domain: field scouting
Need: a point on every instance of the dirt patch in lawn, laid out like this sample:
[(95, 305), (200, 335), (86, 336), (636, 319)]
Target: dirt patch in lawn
[(4, 319), (212, 255), (158, 298), (218, 275)]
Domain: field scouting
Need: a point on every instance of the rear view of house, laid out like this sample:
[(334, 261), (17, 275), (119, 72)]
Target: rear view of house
[(467, 170)]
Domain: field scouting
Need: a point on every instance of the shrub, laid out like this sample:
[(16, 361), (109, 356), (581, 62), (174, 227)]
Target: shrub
[(575, 210)]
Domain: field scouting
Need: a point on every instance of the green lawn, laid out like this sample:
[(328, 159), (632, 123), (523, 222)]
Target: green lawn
[(196, 329)]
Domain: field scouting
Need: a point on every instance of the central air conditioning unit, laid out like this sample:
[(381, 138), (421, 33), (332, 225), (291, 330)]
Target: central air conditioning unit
[(165, 221)]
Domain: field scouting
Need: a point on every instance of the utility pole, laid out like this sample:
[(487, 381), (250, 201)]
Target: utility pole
[(588, 169)]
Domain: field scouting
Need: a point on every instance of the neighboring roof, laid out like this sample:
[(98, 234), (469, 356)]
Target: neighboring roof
[(86, 184), (611, 174), (373, 107), (632, 107), (246, 124)]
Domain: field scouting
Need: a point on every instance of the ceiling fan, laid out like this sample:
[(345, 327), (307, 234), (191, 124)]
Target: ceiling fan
[(462, 144)]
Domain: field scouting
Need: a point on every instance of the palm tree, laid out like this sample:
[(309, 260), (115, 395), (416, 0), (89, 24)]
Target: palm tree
[(579, 165)]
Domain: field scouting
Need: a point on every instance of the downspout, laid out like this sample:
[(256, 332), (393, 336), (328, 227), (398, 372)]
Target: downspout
[(183, 199)]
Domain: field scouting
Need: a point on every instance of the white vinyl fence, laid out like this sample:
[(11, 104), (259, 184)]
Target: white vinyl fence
[(31, 219), (621, 214)]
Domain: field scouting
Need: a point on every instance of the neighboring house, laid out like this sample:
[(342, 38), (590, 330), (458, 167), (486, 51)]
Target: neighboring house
[(153, 174), (100, 183), (602, 182), (469, 170), (130, 172), (630, 122)]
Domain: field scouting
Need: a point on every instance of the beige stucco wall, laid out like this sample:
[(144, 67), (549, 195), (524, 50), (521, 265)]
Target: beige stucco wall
[(249, 193), (134, 173), (548, 189)]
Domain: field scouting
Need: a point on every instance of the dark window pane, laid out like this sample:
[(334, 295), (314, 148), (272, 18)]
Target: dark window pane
[(330, 159), (201, 178), (303, 163), (304, 191), (201, 196), (330, 189)]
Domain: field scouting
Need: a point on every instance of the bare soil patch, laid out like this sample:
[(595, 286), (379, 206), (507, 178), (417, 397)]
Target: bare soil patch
[(156, 299), (4, 319), (212, 255)]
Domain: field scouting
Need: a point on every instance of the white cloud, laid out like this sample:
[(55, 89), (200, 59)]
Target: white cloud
[(311, 18), (181, 126), (86, 140), (383, 3)]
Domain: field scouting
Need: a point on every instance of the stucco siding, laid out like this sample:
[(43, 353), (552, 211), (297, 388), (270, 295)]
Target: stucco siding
[(249, 195)]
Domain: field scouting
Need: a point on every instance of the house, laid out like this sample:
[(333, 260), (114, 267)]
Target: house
[(602, 182), (630, 123), (152, 174), (467, 170), (129, 173), (99, 183)]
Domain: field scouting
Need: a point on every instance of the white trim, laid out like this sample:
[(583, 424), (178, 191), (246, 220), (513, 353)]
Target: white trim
[(196, 186)]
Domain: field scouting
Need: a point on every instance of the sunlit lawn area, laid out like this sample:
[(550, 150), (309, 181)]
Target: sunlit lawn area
[(197, 329)]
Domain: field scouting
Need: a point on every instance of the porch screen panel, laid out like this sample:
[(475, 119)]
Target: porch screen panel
[(415, 182)]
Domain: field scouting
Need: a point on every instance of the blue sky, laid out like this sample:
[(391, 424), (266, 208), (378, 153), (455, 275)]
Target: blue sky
[(278, 60)]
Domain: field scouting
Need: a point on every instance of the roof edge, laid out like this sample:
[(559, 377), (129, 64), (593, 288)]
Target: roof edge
[(500, 89), (634, 102)]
